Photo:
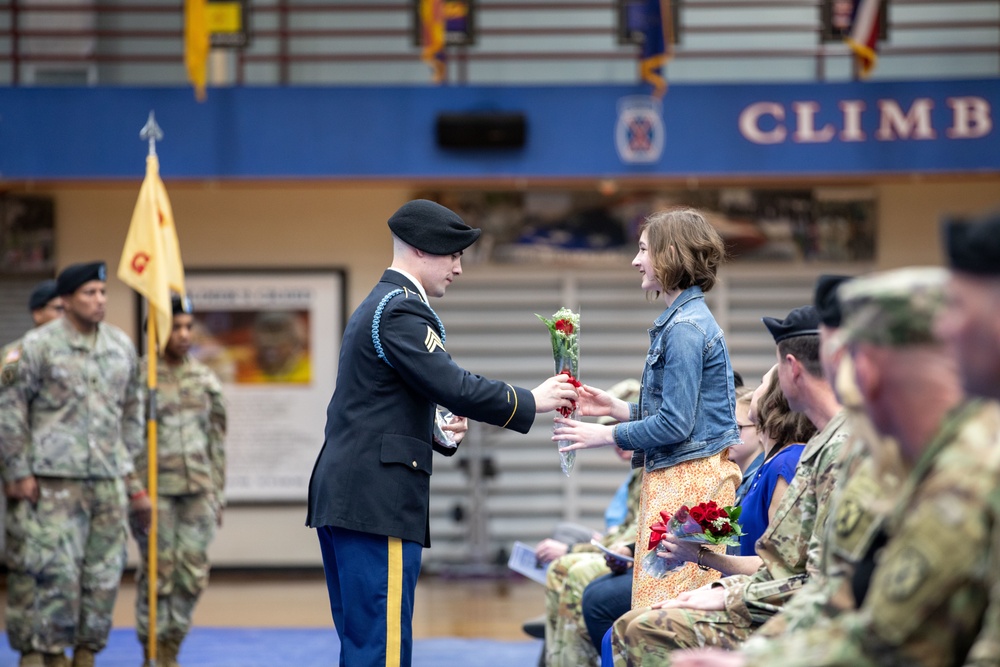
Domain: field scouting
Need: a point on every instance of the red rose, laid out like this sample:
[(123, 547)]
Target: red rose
[(565, 326), (712, 514), (724, 529), (698, 514), (711, 503)]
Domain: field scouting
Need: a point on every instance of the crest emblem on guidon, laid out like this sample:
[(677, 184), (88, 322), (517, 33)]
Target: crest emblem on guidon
[(433, 340), (639, 131)]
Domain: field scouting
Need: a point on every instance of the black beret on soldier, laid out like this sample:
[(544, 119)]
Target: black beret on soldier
[(432, 228), (75, 275), (973, 245), (825, 299), (803, 321), (44, 292), (180, 305)]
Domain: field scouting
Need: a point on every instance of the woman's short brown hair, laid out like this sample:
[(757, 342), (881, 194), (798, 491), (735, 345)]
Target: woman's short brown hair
[(776, 420), (698, 249)]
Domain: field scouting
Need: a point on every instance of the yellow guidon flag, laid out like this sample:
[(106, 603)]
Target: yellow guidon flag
[(432, 32), (151, 259)]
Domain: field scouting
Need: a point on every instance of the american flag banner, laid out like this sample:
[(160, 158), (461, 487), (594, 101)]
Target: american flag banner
[(863, 38)]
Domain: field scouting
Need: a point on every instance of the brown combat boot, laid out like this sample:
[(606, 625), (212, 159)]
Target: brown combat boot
[(83, 657), (56, 660), (32, 659), (167, 650)]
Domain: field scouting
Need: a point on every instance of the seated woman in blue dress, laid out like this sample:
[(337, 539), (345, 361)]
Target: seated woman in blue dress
[(781, 431)]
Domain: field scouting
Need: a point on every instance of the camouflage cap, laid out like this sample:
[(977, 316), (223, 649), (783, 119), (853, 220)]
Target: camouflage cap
[(893, 308)]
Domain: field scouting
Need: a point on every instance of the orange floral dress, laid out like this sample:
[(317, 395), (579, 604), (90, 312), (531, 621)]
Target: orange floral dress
[(689, 483)]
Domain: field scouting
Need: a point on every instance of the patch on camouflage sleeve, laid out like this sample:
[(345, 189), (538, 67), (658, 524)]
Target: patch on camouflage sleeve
[(433, 341), (12, 355), (848, 516), (907, 571), (8, 376)]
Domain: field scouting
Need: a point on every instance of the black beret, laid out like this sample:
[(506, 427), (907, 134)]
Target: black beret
[(432, 228), (179, 305), (74, 275), (825, 299), (803, 321), (44, 292), (973, 246)]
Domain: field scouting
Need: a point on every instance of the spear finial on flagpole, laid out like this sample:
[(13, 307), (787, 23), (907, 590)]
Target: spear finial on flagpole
[(152, 132)]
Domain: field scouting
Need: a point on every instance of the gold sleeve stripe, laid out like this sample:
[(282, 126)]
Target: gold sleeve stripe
[(510, 391)]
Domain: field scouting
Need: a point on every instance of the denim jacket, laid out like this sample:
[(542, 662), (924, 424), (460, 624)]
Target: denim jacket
[(687, 403)]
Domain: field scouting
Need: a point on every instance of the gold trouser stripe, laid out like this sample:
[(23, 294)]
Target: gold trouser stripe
[(512, 391), (394, 603)]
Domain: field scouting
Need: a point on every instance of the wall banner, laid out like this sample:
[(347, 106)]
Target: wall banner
[(752, 130)]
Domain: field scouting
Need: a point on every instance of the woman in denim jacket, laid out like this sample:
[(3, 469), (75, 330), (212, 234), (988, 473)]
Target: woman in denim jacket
[(685, 417)]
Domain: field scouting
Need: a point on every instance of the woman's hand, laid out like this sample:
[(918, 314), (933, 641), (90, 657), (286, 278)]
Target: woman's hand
[(678, 551), (583, 435), (618, 565), (594, 402)]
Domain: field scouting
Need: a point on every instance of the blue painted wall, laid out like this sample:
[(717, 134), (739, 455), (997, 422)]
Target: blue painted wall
[(369, 132)]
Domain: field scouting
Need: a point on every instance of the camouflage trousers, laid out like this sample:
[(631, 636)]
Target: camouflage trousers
[(647, 637), (186, 526), (65, 557), (567, 642)]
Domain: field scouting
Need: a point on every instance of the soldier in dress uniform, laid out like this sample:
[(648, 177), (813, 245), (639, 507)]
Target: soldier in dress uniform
[(970, 324), (191, 430), (369, 492), (725, 613), (72, 424), (922, 586)]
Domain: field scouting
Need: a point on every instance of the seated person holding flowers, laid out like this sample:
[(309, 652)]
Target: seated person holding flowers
[(781, 431)]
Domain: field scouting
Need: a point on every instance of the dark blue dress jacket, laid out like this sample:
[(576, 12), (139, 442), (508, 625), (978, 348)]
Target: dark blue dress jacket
[(373, 473)]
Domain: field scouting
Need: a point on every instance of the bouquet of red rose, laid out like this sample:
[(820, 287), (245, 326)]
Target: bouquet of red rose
[(705, 523), (564, 330)]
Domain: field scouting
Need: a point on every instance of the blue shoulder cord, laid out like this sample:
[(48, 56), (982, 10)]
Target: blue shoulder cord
[(376, 338)]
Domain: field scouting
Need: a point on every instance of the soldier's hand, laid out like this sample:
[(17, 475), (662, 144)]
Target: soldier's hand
[(707, 657), (458, 427), (140, 510), (702, 599), (549, 549), (556, 392), (25, 488)]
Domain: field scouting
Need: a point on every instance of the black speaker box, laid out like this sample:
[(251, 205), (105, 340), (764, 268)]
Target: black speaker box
[(481, 130)]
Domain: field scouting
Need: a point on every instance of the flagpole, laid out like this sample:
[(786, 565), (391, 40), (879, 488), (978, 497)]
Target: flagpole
[(152, 132), (152, 466)]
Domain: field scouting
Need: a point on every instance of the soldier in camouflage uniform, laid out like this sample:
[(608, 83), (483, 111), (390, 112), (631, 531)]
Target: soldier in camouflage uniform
[(923, 585), (191, 428), (71, 424), (862, 495), (971, 325), (725, 613), (45, 306), (566, 639)]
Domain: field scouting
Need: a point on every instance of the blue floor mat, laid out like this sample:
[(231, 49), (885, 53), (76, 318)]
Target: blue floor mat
[(289, 647)]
